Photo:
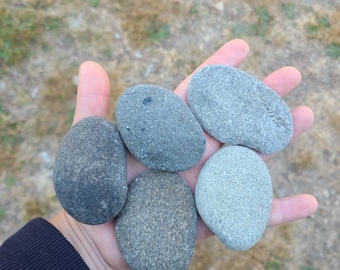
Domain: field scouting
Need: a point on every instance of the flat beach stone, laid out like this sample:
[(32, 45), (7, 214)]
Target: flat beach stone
[(159, 129), (90, 171), (234, 196), (238, 109), (157, 227)]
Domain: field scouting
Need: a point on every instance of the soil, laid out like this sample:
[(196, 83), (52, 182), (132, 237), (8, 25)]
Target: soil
[(39, 95)]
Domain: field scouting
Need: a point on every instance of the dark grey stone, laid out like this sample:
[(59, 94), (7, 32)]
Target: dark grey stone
[(234, 196), (90, 171), (159, 129), (237, 109), (157, 227)]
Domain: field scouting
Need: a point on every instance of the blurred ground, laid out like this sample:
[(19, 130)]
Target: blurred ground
[(43, 42)]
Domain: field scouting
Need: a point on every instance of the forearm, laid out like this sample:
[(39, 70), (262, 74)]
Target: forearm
[(39, 245)]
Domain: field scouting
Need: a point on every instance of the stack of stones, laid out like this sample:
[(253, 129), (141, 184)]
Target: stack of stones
[(156, 215)]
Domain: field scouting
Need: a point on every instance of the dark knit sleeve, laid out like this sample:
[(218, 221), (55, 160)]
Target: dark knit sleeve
[(39, 245)]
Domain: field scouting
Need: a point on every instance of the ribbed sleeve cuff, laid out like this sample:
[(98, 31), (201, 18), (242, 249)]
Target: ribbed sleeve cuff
[(39, 245)]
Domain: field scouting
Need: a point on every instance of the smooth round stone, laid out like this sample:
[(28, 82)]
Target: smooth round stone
[(159, 129), (234, 196), (90, 171), (157, 227), (237, 109)]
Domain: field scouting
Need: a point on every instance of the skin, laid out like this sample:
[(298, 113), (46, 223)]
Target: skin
[(97, 244)]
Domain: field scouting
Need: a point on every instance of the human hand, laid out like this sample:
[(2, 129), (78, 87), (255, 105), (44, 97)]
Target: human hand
[(97, 243)]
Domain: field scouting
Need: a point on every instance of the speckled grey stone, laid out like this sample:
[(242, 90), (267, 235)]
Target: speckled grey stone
[(237, 109), (234, 196), (157, 227), (90, 171), (159, 129)]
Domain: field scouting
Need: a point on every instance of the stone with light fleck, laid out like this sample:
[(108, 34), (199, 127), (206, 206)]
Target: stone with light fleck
[(234, 196), (237, 109), (159, 129), (157, 227), (89, 173)]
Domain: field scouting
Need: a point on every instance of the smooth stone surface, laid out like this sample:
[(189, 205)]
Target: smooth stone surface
[(159, 129), (237, 109), (90, 171), (157, 227), (234, 196)]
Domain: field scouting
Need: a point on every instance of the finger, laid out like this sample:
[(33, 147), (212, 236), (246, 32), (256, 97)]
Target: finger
[(93, 96), (283, 80), (283, 210), (292, 208), (203, 232), (231, 54), (303, 118)]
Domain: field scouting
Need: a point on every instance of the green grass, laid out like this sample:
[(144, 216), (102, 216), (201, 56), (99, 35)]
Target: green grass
[(9, 181), (8, 128), (323, 22), (259, 28), (94, 3), (289, 10), (158, 33), (147, 21), (53, 24), (10, 139), (307, 268), (274, 265), (263, 22), (19, 30), (333, 50), (313, 29), (2, 214)]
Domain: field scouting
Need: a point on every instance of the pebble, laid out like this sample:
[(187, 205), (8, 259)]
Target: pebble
[(159, 129), (89, 174), (157, 227), (234, 196), (237, 109)]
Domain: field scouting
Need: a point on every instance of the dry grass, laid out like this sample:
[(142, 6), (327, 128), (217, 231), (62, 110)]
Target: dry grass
[(10, 139), (148, 26), (56, 105), (305, 160), (148, 21), (36, 208), (334, 121), (20, 29), (325, 26), (274, 248)]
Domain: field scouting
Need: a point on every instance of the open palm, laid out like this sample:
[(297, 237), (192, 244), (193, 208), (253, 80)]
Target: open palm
[(97, 244)]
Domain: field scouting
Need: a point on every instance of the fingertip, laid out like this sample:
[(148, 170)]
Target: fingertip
[(93, 95), (293, 71), (241, 44), (90, 69), (303, 118), (232, 53), (292, 208), (313, 203)]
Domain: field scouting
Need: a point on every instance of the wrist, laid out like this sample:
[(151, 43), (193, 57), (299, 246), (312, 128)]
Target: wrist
[(80, 239)]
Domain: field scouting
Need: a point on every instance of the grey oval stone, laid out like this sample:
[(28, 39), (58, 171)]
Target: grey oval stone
[(157, 227), (237, 109), (159, 129), (234, 196), (90, 171)]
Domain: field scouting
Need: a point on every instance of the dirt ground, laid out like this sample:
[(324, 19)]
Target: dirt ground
[(161, 42)]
